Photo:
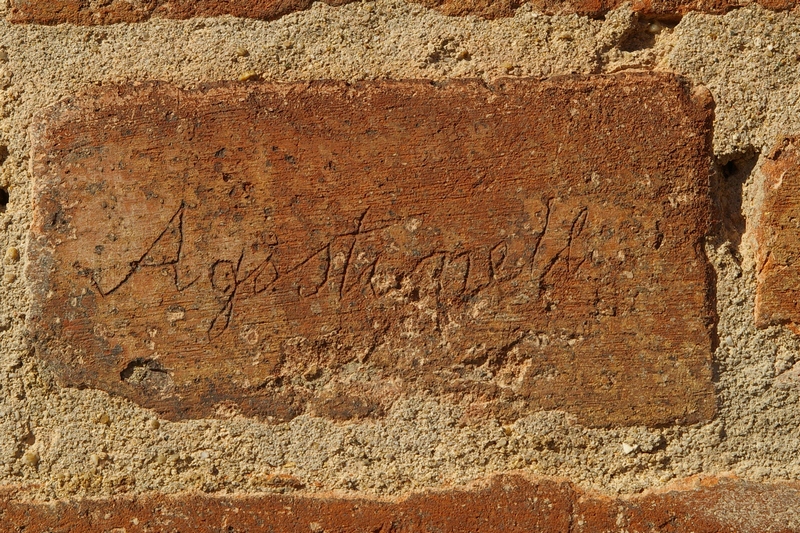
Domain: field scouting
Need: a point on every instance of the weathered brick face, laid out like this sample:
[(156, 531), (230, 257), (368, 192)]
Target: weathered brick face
[(778, 238), (326, 248), (115, 11), (505, 504)]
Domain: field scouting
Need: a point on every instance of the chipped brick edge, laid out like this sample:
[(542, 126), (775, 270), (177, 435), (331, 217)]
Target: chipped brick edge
[(776, 289)]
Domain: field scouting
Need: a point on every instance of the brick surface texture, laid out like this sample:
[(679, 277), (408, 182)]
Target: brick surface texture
[(778, 238), (506, 504), (199, 252), (114, 11)]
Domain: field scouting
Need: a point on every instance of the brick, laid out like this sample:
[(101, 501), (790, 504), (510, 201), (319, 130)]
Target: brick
[(777, 237), (713, 505), (88, 12), (507, 503), (660, 9), (325, 248)]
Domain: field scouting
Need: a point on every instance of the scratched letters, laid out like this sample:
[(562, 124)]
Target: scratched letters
[(329, 250)]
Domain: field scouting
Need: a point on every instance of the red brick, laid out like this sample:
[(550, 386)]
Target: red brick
[(253, 248), (114, 11), (777, 235), (700, 505), (506, 504)]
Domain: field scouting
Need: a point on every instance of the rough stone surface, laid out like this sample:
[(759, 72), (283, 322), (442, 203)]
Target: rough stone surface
[(777, 235), (328, 248), (503, 504), (90, 12)]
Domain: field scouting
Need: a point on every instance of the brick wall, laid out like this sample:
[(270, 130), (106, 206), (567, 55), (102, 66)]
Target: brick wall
[(389, 266)]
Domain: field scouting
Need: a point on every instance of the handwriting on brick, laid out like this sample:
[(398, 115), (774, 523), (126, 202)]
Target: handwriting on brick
[(274, 250)]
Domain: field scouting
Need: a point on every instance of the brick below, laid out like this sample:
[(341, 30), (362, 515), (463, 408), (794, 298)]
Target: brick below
[(507, 503)]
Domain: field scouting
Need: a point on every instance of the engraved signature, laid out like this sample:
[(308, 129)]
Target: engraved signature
[(346, 262)]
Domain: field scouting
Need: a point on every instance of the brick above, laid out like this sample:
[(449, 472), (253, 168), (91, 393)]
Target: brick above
[(86, 12)]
